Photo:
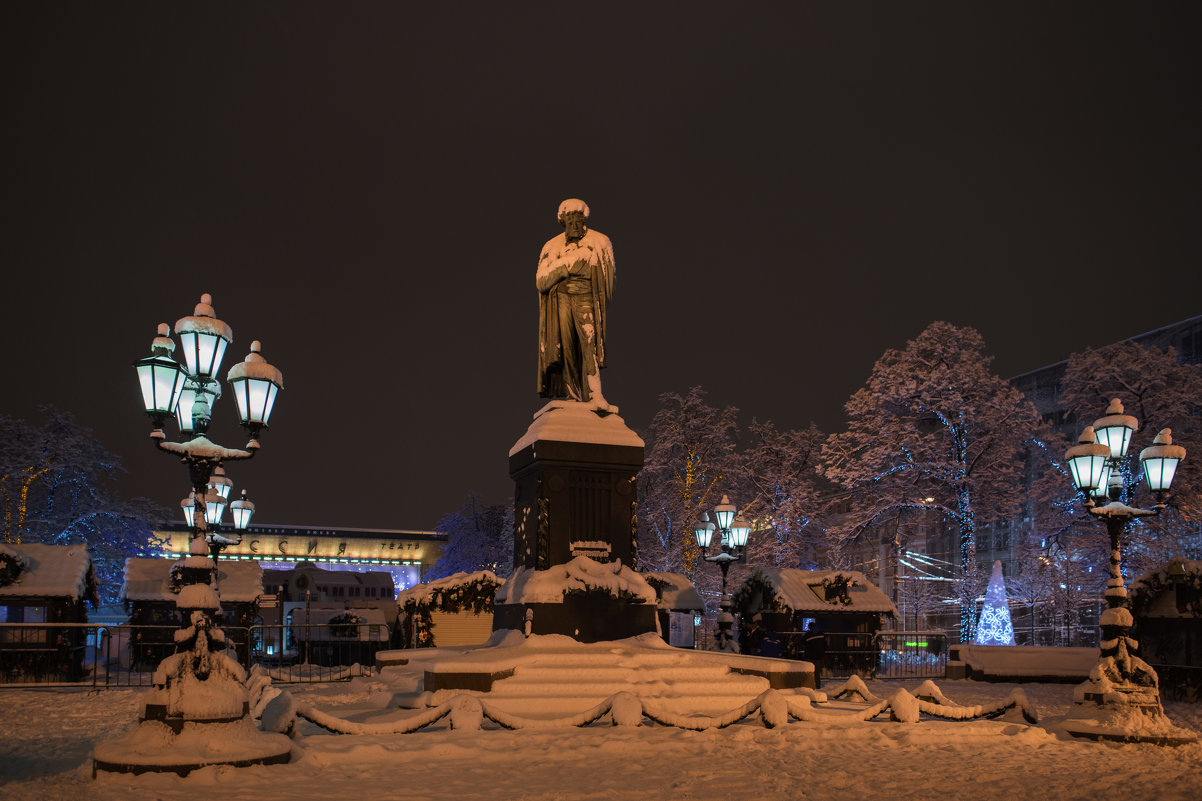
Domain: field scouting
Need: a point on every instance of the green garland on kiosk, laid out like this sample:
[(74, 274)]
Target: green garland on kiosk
[(1150, 587), (11, 565), (475, 595), (836, 588), (756, 584)]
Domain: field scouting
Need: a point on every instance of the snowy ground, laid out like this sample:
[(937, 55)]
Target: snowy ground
[(46, 737)]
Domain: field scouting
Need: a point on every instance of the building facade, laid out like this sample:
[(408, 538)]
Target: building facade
[(407, 555)]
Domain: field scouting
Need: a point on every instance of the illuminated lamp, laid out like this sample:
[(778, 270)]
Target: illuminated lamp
[(204, 339), (242, 510), (740, 529), (1114, 430), (724, 512), (1087, 461), (214, 508), (255, 384), (1160, 461), (703, 531), (219, 483), (189, 506), (161, 378)]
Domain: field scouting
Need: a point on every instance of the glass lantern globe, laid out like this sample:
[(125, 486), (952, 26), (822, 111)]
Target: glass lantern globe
[(1160, 461), (725, 512), (1087, 461), (214, 508), (161, 378), (220, 483), (203, 339), (1102, 491), (255, 384), (740, 530), (188, 505), (703, 531), (242, 510), (1114, 430)]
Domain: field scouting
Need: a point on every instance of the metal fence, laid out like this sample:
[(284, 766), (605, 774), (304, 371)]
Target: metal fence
[(912, 654), (126, 655)]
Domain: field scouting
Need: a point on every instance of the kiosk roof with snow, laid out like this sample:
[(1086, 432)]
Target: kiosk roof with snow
[(50, 571), (805, 591)]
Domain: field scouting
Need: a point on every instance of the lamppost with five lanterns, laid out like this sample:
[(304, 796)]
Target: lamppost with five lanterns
[(199, 690), (1121, 682)]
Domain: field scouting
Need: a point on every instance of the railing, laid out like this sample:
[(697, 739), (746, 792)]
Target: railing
[(1180, 682), (912, 654), (319, 652), (126, 655)]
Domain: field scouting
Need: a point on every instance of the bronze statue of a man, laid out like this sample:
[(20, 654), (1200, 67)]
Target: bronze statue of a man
[(575, 280)]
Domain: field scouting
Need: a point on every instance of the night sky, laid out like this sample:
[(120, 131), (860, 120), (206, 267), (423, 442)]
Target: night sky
[(790, 190)]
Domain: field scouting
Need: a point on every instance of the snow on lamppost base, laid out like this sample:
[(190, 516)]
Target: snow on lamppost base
[(197, 715)]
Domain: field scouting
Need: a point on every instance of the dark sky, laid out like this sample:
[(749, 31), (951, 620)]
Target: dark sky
[(790, 189)]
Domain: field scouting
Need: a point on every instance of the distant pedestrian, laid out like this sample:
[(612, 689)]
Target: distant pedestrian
[(751, 637), (770, 645), (815, 651)]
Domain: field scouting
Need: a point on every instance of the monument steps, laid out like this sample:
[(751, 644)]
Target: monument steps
[(569, 686)]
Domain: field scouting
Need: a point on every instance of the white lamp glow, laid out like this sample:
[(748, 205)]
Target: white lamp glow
[(1160, 461), (703, 531), (725, 512), (740, 530), (242, 510), (1114, 430), (160, 377), (1087, 461), (203, 339), (255, 384)]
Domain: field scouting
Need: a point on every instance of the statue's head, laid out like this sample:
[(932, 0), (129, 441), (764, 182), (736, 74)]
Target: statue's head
[(573, 216)]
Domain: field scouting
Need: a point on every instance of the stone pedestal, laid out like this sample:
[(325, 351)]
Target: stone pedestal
[(574, 473)]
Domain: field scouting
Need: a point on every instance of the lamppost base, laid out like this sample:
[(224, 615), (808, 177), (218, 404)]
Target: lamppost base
[(1125, 713), (155, 747), (1129, 724)]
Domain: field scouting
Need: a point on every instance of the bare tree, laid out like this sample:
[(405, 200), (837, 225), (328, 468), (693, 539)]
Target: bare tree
[(934, 423)]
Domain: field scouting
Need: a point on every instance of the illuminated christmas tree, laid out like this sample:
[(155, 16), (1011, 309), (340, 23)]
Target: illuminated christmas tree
[(994, 627)]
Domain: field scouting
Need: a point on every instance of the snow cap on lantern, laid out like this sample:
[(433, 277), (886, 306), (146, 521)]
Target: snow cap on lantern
[(1160, 461), (161, 377), (204, 339), (255, 384), (1114, 430), (1087, 461)]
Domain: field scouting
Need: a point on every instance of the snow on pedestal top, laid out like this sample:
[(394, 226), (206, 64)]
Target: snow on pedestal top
[(548, 586), (571, 421)]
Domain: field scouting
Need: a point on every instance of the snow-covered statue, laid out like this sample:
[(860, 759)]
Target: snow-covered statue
[(575, 280)]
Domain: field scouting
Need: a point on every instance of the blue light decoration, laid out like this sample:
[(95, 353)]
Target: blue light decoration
[(995, 627)]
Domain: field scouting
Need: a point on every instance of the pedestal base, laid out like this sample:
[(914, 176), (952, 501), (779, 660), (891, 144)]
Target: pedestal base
[(574, 487), (586, 620)]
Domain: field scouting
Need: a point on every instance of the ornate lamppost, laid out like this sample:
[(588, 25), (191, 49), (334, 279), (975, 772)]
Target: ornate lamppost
[(199, 701), (1122, 685), (734, 530)]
